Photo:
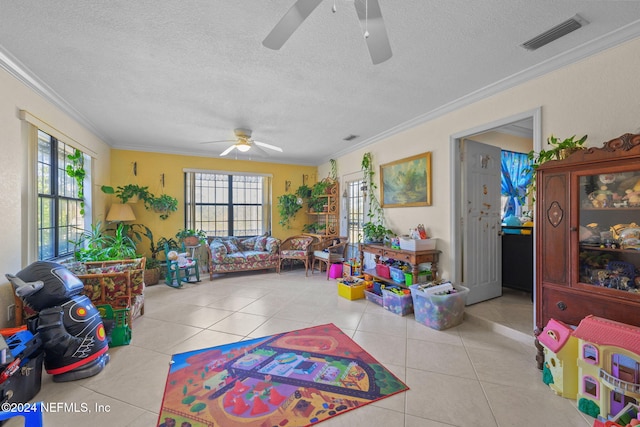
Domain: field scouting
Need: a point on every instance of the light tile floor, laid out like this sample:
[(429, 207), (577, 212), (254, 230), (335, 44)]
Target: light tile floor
[(480, 373)]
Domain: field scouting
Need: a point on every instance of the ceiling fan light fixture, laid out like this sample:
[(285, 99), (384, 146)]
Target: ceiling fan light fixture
[(244, 147)]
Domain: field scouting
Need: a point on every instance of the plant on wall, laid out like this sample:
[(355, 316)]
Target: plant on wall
[(288, 207), (129, 192), (333, 174), (76, 170), (374, 229), (163, 205)]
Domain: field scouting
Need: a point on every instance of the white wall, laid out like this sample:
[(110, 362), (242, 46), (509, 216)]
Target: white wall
[(599, 96), (13, 172)]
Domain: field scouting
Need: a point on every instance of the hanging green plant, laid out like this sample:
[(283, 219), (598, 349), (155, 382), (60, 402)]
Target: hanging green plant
[(288, 206), (130, 191), (164, 205), (374, 229), (334, 169), (76, 170)]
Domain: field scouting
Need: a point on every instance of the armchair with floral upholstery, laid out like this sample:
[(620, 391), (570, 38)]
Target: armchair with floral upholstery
[(298, 248), (119, 283)]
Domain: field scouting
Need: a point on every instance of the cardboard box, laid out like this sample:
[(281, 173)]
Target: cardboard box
[(417, 244)]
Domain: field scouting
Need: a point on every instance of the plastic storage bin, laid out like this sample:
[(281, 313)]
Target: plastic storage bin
[(398, 304), (382, 270), (417, 244), (423, 277), (439, 311), (352, 291), (397, 275), (374, 298)]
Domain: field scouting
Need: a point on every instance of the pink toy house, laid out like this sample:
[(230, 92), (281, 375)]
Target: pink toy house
[(560, 352), (608, 365)]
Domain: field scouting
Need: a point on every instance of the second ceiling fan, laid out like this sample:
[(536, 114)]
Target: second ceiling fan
[(244, 143), (369, 14)]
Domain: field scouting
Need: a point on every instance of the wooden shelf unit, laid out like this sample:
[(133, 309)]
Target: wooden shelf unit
[(414, 258)]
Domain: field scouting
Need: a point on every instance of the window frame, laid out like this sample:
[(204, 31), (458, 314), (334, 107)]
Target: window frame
[(54, 185), (194, 212)]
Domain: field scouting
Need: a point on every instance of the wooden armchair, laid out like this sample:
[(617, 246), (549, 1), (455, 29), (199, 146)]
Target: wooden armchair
[(297, 248), (328, 252)]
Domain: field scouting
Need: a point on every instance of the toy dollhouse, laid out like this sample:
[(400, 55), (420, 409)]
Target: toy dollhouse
[(598, 364)]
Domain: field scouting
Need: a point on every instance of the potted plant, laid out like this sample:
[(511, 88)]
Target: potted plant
[(130, 193), (560, 149), (163, 205), (321, 187), (151, 272), (304, 191), (317, 204), (191, 237), (97, 245), (375, 233), (288, 206)]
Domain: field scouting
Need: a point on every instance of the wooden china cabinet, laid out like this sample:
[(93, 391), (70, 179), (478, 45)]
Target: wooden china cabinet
[(588, 234)]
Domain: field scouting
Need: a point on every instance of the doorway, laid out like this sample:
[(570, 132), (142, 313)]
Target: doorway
[(530, 122)]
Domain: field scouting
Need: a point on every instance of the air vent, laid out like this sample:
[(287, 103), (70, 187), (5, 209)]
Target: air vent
[(555, 33), (350, 137)]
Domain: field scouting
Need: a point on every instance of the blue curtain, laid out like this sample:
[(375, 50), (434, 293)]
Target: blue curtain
[(516, 176)]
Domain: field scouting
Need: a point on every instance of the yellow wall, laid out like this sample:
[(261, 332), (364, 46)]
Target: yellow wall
[(150, 167)]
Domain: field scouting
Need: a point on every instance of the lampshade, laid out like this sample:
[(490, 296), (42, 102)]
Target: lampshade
[(119, 212), (244, 147)]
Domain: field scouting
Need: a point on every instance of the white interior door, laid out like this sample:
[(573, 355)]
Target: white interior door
[(481, 223)]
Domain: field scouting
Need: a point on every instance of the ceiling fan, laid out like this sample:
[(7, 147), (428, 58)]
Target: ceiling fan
[(244, 143), (369, 14)]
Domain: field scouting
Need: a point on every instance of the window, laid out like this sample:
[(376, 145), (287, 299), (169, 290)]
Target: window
[(590, 354), (224, 204), (60, 220), (590, 386), (355, 215), (516, 177)]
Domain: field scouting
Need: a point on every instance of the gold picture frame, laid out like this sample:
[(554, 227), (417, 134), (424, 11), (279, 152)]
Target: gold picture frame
[(406, 182)]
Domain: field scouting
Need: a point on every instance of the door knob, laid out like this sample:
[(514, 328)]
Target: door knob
[(562, 306)]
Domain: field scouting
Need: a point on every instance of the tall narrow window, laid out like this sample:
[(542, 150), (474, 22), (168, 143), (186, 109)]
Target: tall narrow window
[(355, 215), (225, 204), (60, 221)]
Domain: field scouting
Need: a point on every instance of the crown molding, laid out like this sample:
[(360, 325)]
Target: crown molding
[(21, 73)]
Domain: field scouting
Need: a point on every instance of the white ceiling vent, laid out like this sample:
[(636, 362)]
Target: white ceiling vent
[(555, 33)]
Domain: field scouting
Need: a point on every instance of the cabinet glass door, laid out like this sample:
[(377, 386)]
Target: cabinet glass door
[(609, 230)]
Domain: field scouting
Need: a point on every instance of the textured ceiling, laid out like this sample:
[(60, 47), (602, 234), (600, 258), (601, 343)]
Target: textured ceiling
[(167, 75)]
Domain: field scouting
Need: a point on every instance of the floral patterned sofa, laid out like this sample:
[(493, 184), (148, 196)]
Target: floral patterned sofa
[(231, 254)]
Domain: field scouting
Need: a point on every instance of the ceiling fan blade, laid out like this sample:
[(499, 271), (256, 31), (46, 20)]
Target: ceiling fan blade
[(256, 148), (227, 151), (213, 142), (269, 146), (289, 23), (371, 21)]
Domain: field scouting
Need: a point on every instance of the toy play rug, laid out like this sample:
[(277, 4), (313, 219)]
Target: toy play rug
[(292, 379)]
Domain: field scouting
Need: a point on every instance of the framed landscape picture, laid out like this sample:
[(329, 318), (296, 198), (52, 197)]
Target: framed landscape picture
[(406, 182)]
